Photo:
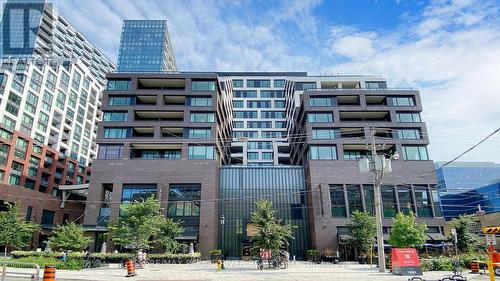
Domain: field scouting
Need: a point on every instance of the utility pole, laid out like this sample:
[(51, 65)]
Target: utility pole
[(378, 203)]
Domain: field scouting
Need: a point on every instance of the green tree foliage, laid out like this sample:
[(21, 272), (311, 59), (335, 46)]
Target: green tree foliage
[(15, 231), (272, 234), (169, 229), (406, 232), (363, 231), (467, 240), (141, 225), (69, 237)]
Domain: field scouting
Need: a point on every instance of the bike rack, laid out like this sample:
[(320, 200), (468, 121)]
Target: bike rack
[(451, 278), (34, 276)]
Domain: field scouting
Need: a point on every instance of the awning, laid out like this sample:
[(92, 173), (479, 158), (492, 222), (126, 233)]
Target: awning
[(437, 237), (343, 239), (95, 228), (187, 238)]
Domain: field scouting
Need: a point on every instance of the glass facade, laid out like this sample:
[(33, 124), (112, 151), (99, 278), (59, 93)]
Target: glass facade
[(184, 206), (137, 192), (145, 47), (283, 185)]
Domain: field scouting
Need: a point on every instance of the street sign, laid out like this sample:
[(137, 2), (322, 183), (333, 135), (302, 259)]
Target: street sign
[(405, 262), (491, 239), (491, 230)]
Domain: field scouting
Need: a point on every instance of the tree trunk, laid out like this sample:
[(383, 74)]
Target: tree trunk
[(5, 251)]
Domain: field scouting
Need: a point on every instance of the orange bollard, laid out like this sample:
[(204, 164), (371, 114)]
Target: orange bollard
[(49, 273), (390, 265), (130, 268), (474, 266)]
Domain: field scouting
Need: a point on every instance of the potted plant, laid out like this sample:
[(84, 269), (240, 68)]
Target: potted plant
[(313, 255), (215, 255), (330, 255)]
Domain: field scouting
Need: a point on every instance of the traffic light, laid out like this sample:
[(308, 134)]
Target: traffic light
[(491, 230)]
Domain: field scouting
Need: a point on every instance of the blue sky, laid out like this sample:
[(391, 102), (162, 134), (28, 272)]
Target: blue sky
[(450, 50)]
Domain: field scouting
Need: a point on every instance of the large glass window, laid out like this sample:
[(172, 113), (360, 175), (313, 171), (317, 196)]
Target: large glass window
[(408, 117), (260, 124), (4, 153), (47, 218), (201, 152), (110, 151), (9, 123), (272, 94), (319, 117), (117, 133), (369, 199), (245, 114), (258, 83), (260, 145), (114, 117), (354, 199), (184, 200), (321, 101), (376, 85), (253, 155), (237, 83), (245, 94), (409, 134), (118, 85), (238, 104), (322, 134), (323, 152), (423, 201), (272, 114), (388, 201), (415, 153), (337, 201), (437, 203), (405, 201), (259, 104), (203, 85), (21, 148), (402, 101), (199, 101), (267, 155), (301, 86), (121, 100), (202, 117), (199, 133), (279, 83), (137, 192), (13, 103)]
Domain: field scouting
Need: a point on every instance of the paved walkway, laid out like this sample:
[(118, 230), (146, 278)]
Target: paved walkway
[(243, 271)]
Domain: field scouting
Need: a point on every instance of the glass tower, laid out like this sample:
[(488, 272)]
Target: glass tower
[(145, 47)]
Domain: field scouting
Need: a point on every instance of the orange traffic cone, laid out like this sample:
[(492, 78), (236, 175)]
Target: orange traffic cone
[(49, 273), (130, 268)]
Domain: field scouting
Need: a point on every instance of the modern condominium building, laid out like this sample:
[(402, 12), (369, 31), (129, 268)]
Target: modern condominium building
[(330, 123), (145, 47), (164, 135), (259, 125)]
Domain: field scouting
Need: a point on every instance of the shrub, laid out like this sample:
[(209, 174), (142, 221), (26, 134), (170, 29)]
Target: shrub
[(109, 257), (328, 252), (426, 265), (70, 264), (216, 252), (312, 252)]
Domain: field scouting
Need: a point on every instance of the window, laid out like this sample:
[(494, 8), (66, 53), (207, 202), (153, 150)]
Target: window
[(199, 133), (5, 134), (121, 100), (301, 86), (272, 94), (184, 200), (354, 199), (109, 151), (21, 147), (47, 218), (258, 104), (33, 166), (29, 211), (280, 124), (388, 201), (273, 134), (437, 203), (409, 134), (323, 134), (405, 202), (258, 83), (353, 155), (137, 192), (31, 102), (369, 199), (117, 133), (47, 101), (322, 101), (272, 114), (13, 103), (36, 149), (29, 183), (43, 121), (267, 155), (199, 101), (202, 117), (323, 153), (245, 134), (253, 155), (201, 152), (238, 83), (245, 114), (245, 94), (402, 101), (408, 117), (203, 85), (259, 124), (376, 85), (9, 123), (279, 83), (337, 200), (238, 104), (260, 145), (319, 117), (60, 100), (279, 104), (118, 85), (423, 202), (4, 153), (114, 117), (238, 124), (415, 153)]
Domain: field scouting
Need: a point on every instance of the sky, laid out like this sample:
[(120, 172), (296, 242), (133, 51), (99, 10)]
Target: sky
[(449, 50)]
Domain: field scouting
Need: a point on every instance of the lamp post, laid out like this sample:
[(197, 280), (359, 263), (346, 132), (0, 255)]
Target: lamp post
[(378, 165), (222, 222)]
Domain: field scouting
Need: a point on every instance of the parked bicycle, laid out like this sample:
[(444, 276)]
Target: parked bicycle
[(457, 268), (89, 262), (272, 263)]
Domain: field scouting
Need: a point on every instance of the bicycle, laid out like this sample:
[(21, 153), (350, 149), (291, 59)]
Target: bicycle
[(457, 268), (91, 263)]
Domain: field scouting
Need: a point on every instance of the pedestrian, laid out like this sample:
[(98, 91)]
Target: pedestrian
[(63, 256)]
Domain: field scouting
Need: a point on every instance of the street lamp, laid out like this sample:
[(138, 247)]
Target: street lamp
[(222, 222), (378, 164)]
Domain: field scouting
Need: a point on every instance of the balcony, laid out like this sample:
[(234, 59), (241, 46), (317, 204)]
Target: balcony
[(161, 84), (172, 132), (363, 116), (144, 132), (177, 116)]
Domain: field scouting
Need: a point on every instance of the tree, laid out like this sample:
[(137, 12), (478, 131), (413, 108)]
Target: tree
[(467, 240), (406, 232), (169, 229), (141, 225), (15, 231), (69, 237), (272, 234), (363, 231)]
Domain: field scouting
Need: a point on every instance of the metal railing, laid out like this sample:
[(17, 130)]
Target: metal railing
[(362, 89), (33, 276)]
